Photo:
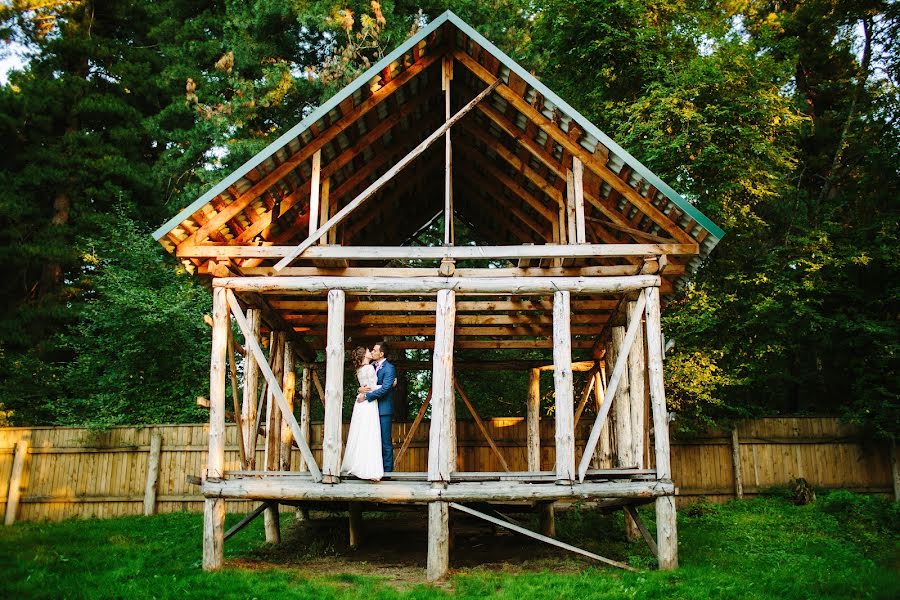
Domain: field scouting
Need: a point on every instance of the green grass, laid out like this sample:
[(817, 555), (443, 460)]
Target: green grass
[(843, 546)]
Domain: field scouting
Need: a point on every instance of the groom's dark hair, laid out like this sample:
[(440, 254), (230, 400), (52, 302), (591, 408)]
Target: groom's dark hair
[(385, 347)]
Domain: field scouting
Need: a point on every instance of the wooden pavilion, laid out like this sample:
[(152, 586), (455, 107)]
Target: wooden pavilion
[(313, 240)]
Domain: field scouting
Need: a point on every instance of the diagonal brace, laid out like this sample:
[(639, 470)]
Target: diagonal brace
[(540, 537), (274, 386), (369, 191)]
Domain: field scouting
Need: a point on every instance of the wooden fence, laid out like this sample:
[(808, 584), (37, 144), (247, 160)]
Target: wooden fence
[(58, 473)]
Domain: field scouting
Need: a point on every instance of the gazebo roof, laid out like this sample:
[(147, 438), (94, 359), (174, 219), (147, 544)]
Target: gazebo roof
[(511, 155)]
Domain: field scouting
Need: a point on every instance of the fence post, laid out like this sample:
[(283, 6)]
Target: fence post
[(152, 474), (736, 461), (15, 482)]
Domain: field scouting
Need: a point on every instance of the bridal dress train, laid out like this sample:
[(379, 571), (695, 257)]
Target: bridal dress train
[(362, 455)]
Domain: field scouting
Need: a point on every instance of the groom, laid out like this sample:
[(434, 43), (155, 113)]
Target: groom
[(384, 394)]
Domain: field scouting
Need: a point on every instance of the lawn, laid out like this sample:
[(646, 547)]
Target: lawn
[(842, 546)]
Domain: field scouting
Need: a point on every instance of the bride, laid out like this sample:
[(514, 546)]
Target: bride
[(362, 455)]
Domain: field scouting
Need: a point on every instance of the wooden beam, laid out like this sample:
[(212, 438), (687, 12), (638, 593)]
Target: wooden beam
[(235, 400), (430, 285), (542, 538), (441, 455), (610, 392), (666, 529), (553, 130), (401, 492), (251, 385), (214, 509), (355, 305), (380, 253), (306, 152), (289, 380), (533, 421), (314, 192), (578, 180), (334, 388), (562, 383), (376, 185), (273, 383), (272, 516), (446, 77)]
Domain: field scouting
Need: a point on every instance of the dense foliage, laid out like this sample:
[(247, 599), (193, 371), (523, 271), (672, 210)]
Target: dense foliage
[(778, 119)]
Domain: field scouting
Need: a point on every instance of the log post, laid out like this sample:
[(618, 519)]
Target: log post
[(214, 508), (153, 474), (334, 388), (271, 517), (533, 418), (736, 463), (14, 493), (603, 454), (446, 77), (637, 372), (305, 399), (438, 562), (355, 522), (637, 375), (251, 381), (441, 438), (547, 516), (562, 383), (666, 532), (288, 380), (441, 453), (620, 412)]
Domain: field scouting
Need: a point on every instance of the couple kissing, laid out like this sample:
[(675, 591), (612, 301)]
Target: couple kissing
[(369, 453)]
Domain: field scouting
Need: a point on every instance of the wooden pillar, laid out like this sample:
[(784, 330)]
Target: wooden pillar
[(251, 382), (288, 379), (604, 446), (152, 484), (438, 562), (637, 373), (666, 532), (562, 384), (446, 77), (736, 464), (271, 517), (578, 184), (533, 421), (441, 437), (355, 523), (547, 516), (214, 508), (441, 451), (315, 178), (14, 493), (305, 399), (334, 388)]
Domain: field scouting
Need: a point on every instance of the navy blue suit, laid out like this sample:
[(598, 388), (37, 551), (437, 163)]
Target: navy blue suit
[(384, 395)]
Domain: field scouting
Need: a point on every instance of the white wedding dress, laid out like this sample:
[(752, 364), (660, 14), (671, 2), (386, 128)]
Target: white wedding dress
[(362, 454)]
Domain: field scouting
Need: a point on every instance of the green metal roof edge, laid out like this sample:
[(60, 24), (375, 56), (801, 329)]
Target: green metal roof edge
[(295, 131), (635, 164)]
